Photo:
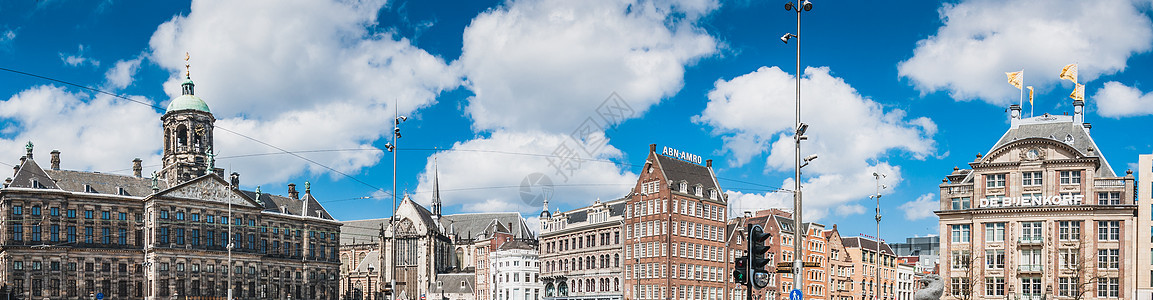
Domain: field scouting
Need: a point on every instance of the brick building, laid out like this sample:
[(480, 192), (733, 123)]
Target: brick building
[(77, 234), (866, 260), (674, 230)]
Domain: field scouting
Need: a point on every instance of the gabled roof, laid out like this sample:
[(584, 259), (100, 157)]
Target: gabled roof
[(29, 172), (291, 206), (463, 224), (1060, 129), (677, 170), (453, 283), (372, 258), (865, 243), (516, 244)]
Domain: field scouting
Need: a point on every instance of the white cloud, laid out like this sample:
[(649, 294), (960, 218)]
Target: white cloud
[(982, 39), (486, 174), (100, 134), (538, 70), (850, 209), (276, 70), (78, 59), (1117, 100), (740, 202), (541, 65), (851, 134), (121, 75), (6, 38), (921, 208)]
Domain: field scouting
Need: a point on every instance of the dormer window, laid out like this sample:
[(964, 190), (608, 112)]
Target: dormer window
[(713, 194), (684, 186), (697, 190), (121, 191), (88, 189), (36, 184)]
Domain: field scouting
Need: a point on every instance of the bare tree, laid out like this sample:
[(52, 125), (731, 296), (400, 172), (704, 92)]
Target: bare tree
[(1084, 272), (970, 263)]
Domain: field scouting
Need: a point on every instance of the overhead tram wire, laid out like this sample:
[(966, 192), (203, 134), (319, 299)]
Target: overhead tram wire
[(297, 153), (157, 107)]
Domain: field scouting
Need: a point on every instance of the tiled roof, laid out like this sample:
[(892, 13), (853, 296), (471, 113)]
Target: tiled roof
[(361, 231), (860, 242), (677, 170), (1058, 128), (454, 283), (463, 224), (104, 183)]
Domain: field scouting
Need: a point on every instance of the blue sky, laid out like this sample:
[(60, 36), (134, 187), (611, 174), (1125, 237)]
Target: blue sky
[(493, 89)]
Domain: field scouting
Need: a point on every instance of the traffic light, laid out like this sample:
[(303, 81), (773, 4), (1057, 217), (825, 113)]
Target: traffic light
[(757, 260), (741, 270)]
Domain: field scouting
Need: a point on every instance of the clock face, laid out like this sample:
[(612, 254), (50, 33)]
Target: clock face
[(1032, 154)]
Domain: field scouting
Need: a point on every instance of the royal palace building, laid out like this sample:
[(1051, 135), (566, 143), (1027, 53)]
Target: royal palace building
[(76, 234), (1041, 215)]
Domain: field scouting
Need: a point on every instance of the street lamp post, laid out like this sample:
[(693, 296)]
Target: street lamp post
[(877, 260), (392, 219), (798, 136), (370, 290)]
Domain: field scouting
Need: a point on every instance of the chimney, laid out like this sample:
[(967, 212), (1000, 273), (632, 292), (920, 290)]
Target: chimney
[(1014, 115), (235, 180), (137, 170), (7, 182), (1078, 111), (55, 159), (292, 191), (652, 147), (708, 163), (1087, 127)]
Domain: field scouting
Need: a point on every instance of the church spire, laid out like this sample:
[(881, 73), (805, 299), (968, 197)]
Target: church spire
[(435, 189)]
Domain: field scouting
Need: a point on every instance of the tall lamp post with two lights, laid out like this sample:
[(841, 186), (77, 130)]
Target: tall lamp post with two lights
[(798, 136)]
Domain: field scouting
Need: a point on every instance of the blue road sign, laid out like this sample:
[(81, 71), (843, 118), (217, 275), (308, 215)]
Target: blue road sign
[(796, 295), (99, 296)]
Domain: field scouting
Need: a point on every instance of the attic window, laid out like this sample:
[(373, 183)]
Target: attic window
[(36, 184), (438, 284), (698, 190), (462, 284), (121, 191), (88, 189), (683, 186), (713, 194)]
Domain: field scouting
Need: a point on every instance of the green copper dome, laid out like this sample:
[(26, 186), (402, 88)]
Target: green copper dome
[(188, 102), (188, 99)]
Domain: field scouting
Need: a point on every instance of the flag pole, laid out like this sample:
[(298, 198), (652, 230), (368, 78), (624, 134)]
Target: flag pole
[(1021, 98)]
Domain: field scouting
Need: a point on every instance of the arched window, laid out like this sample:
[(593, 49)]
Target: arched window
[(616, 284), (617, 260), (181, 135)]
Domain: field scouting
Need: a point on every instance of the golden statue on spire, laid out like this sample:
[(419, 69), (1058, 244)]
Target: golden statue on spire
[(187, 67)]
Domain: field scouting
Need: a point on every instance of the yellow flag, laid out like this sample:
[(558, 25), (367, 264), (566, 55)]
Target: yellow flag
[(1030, 95), (1015, 78), (1078, 92), (1069, 73)]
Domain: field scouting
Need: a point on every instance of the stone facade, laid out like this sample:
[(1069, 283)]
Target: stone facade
[(581, 252), (514, 271), (1041, 215), (1145, 227), (70, 234)]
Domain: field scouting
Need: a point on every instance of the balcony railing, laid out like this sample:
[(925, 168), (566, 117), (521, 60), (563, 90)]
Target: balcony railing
[(961, 189), (1029, 240), (1109, 182), (1029, 268)]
